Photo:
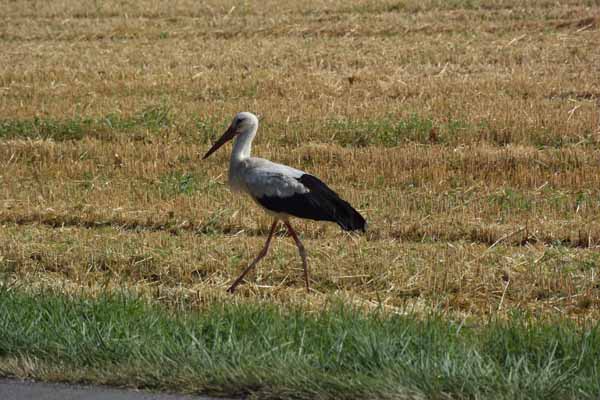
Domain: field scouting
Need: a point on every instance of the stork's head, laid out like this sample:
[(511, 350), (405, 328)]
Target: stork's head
[(243, 122)]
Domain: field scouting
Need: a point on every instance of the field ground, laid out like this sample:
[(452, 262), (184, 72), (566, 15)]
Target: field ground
[(465, 131)]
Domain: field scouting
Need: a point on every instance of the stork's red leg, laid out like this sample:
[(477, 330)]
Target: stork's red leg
[(260, 255), (300, 250)]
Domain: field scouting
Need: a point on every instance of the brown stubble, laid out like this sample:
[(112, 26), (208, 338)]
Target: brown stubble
[(498, 214)]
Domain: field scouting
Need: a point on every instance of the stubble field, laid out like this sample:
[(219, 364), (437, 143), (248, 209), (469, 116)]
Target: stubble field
[(465, 132), (467, 136)]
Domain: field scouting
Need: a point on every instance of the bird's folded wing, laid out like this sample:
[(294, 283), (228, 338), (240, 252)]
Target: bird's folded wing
[(269, 183)]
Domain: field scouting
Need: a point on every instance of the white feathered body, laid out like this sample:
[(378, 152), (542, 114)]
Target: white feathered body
[(258, 178)]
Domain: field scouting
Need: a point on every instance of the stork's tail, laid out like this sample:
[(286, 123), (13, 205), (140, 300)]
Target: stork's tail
[(348, 218), (337, 209)]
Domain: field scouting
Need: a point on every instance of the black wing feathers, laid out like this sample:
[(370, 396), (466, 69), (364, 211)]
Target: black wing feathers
[(319, 203)]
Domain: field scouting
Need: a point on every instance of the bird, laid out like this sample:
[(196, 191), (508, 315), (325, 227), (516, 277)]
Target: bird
[(283, 192)]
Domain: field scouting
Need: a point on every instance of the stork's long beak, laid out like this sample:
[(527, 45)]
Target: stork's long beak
[(227, 136)]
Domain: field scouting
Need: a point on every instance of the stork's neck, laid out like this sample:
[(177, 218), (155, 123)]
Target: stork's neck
[(242, 146)]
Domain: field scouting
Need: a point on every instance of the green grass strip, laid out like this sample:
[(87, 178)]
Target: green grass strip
[(271, 352), (151, 118)]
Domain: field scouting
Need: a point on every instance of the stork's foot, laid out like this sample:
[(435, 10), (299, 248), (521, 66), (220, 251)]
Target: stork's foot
[(260, 255), (233, 287)]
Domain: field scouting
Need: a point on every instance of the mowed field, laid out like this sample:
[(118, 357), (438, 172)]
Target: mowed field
[(465, 131)]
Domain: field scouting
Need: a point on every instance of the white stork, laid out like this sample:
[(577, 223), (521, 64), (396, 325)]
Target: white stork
[(282, 191)]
